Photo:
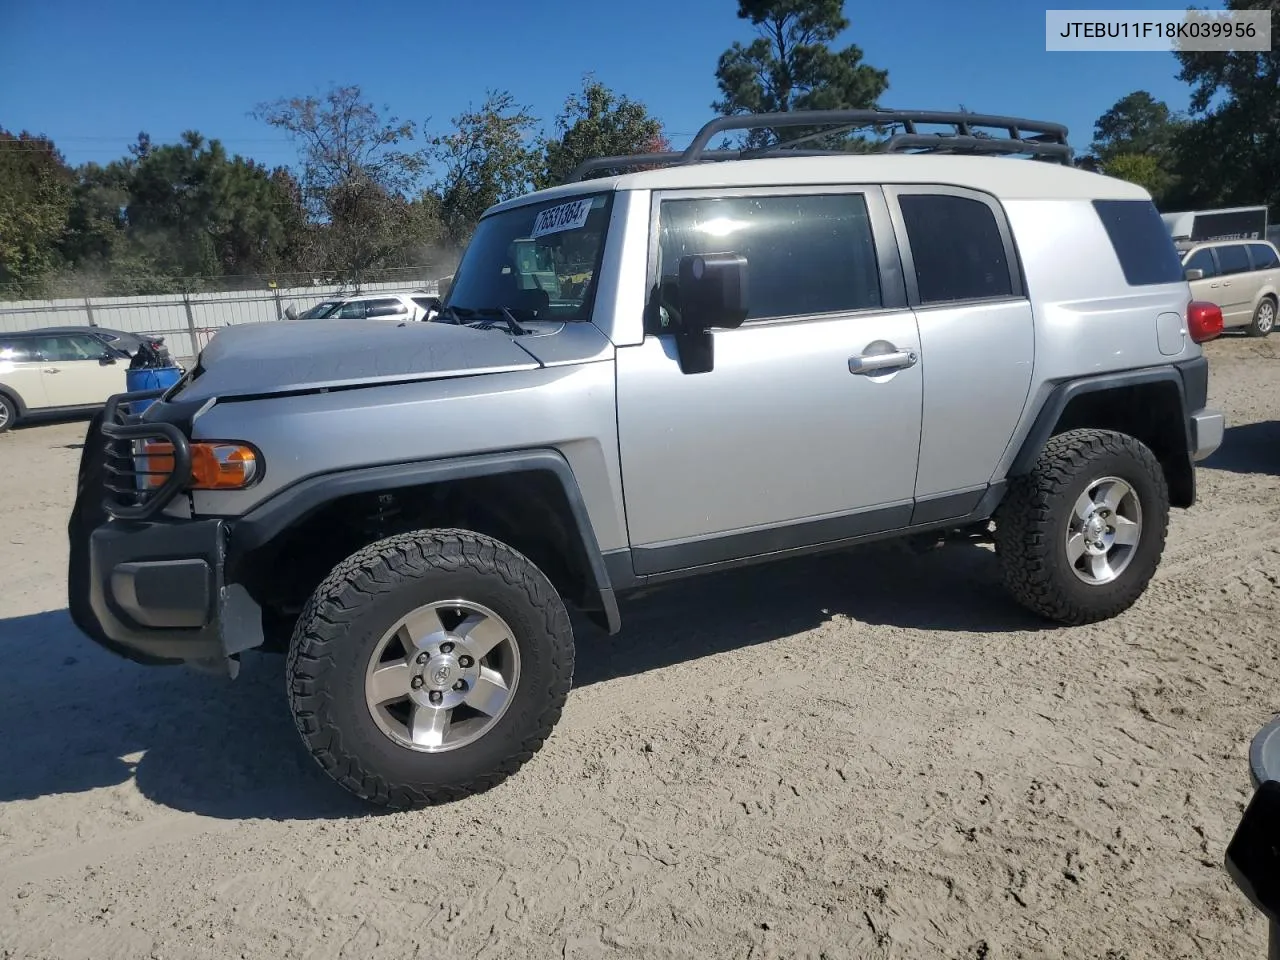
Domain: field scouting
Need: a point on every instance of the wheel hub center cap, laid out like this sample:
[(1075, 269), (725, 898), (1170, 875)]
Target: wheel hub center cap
[(1095, 527), (441, 671)]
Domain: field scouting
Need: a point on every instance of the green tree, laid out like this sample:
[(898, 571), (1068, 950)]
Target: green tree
[(1135, 140), (1230, 153), (791, 64), (1136, 123), (360, 169), (35, 198), (596, 122), (490, 157), (1144, 169)]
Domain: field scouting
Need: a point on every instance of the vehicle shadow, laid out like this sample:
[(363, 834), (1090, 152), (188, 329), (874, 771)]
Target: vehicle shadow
[(952, 589), (77, 718), (1248, 448)]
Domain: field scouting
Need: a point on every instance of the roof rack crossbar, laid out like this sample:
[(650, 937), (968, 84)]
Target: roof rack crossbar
[(941, 143)]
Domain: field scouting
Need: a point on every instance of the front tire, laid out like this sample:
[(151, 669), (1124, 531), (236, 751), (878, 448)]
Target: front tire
[(1081, 535), (429, 666), (8, 413), (1264, 318)]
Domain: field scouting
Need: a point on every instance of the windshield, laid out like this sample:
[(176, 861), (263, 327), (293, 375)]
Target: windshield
[(321, 310), (539, 261)]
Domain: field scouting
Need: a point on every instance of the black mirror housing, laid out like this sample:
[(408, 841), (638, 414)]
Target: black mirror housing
[(713, 292)]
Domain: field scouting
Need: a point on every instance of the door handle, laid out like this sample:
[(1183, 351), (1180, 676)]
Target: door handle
[(52, 369), (876, 362)]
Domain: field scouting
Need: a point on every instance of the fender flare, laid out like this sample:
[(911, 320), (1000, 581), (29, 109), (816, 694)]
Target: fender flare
[(294, 503), (1063, 393), (12, 394)]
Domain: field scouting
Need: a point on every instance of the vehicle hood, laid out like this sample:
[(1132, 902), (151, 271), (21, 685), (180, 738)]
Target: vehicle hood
[(288, 356)]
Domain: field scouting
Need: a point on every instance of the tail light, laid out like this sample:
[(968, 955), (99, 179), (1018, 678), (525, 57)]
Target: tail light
[(1204, 321), (214, 466)]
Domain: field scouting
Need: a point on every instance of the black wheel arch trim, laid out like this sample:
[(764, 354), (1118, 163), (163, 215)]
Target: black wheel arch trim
[(11, 394), (297, 501), (1063, 393)]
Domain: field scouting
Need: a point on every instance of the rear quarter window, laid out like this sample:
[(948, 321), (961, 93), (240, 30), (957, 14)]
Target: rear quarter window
[(1264, 256), (1141, 241)]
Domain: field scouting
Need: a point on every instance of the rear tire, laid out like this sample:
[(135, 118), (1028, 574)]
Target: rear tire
[(388, 616), (8, 413), (1081, 535), (1264, 318)]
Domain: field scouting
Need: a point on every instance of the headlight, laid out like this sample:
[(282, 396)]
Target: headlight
[(215, 465)]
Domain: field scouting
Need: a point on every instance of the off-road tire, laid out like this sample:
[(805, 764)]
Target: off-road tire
[(360, 600), (8, 414), (1258, 327), (1031, 526)]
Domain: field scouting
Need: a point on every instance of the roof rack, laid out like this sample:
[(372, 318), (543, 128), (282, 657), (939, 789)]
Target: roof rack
[(1033, 138)]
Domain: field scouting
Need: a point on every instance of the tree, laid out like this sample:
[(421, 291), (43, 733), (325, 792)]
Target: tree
[(791, 66), (487, 159), (1230, 153), (35, 197), (1136, 123), (1144, 169), (596, 122), (359, 170), (1135, 140)]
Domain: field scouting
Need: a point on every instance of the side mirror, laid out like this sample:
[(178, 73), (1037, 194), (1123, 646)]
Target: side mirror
[(106, 360), (713, 292), (1193, 274)]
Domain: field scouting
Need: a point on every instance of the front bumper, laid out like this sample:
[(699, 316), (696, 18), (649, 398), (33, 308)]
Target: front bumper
[(153, 592)]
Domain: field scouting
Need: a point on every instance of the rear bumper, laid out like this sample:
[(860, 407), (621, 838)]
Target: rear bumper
[(152, 592), (1207, 429)]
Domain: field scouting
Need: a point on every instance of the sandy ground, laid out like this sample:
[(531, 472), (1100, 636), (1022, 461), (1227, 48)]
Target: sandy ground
[(873, 755)]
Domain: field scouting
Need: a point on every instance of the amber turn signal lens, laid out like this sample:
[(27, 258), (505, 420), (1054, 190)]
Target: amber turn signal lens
[(214, 466)]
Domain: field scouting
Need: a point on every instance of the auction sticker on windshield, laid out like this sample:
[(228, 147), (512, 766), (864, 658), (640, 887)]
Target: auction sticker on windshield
[(567, 216)]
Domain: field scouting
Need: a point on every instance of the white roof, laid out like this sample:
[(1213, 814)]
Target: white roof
[(1007, 178)]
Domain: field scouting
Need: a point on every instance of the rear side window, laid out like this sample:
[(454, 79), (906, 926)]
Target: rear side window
[(956, 247), (1203, 260), (1233, 258), (1264, 257), (1142, 242), (384, 308)]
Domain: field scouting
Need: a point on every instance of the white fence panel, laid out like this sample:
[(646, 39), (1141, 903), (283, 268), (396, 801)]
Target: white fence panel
[(186, 323)]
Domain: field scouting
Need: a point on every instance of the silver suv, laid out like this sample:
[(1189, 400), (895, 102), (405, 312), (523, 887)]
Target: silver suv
[(770, 355)]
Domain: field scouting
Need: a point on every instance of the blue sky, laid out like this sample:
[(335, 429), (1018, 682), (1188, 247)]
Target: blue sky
[(92, 74)]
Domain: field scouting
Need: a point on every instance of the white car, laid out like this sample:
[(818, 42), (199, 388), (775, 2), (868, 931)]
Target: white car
[(45, 374), (369, 306)]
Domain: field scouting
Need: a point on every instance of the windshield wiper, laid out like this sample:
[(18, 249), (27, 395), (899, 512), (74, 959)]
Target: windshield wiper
[(484, 318)]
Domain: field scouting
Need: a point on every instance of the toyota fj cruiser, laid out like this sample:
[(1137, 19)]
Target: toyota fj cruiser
[(776, 352)]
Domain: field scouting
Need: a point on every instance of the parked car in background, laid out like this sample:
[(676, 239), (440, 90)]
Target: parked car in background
[(43, 374), (1241, 277), (130, 343), (369, 306)]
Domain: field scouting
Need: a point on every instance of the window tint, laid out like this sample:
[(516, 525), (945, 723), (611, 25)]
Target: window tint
[(424, 302), (15, 351), (957, 248), (805, 254), (68, 349), (350, 311), (1264, 256), (1233, 258), (1202, 260), (1141, 241), (384, 308)]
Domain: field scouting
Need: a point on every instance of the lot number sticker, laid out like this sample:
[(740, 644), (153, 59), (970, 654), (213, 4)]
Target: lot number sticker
[(567, 216)]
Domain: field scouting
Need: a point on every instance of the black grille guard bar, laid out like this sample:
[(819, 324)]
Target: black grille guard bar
[(151, 502)]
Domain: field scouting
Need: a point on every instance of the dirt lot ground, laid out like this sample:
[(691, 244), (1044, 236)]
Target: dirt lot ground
[(874, 755)]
